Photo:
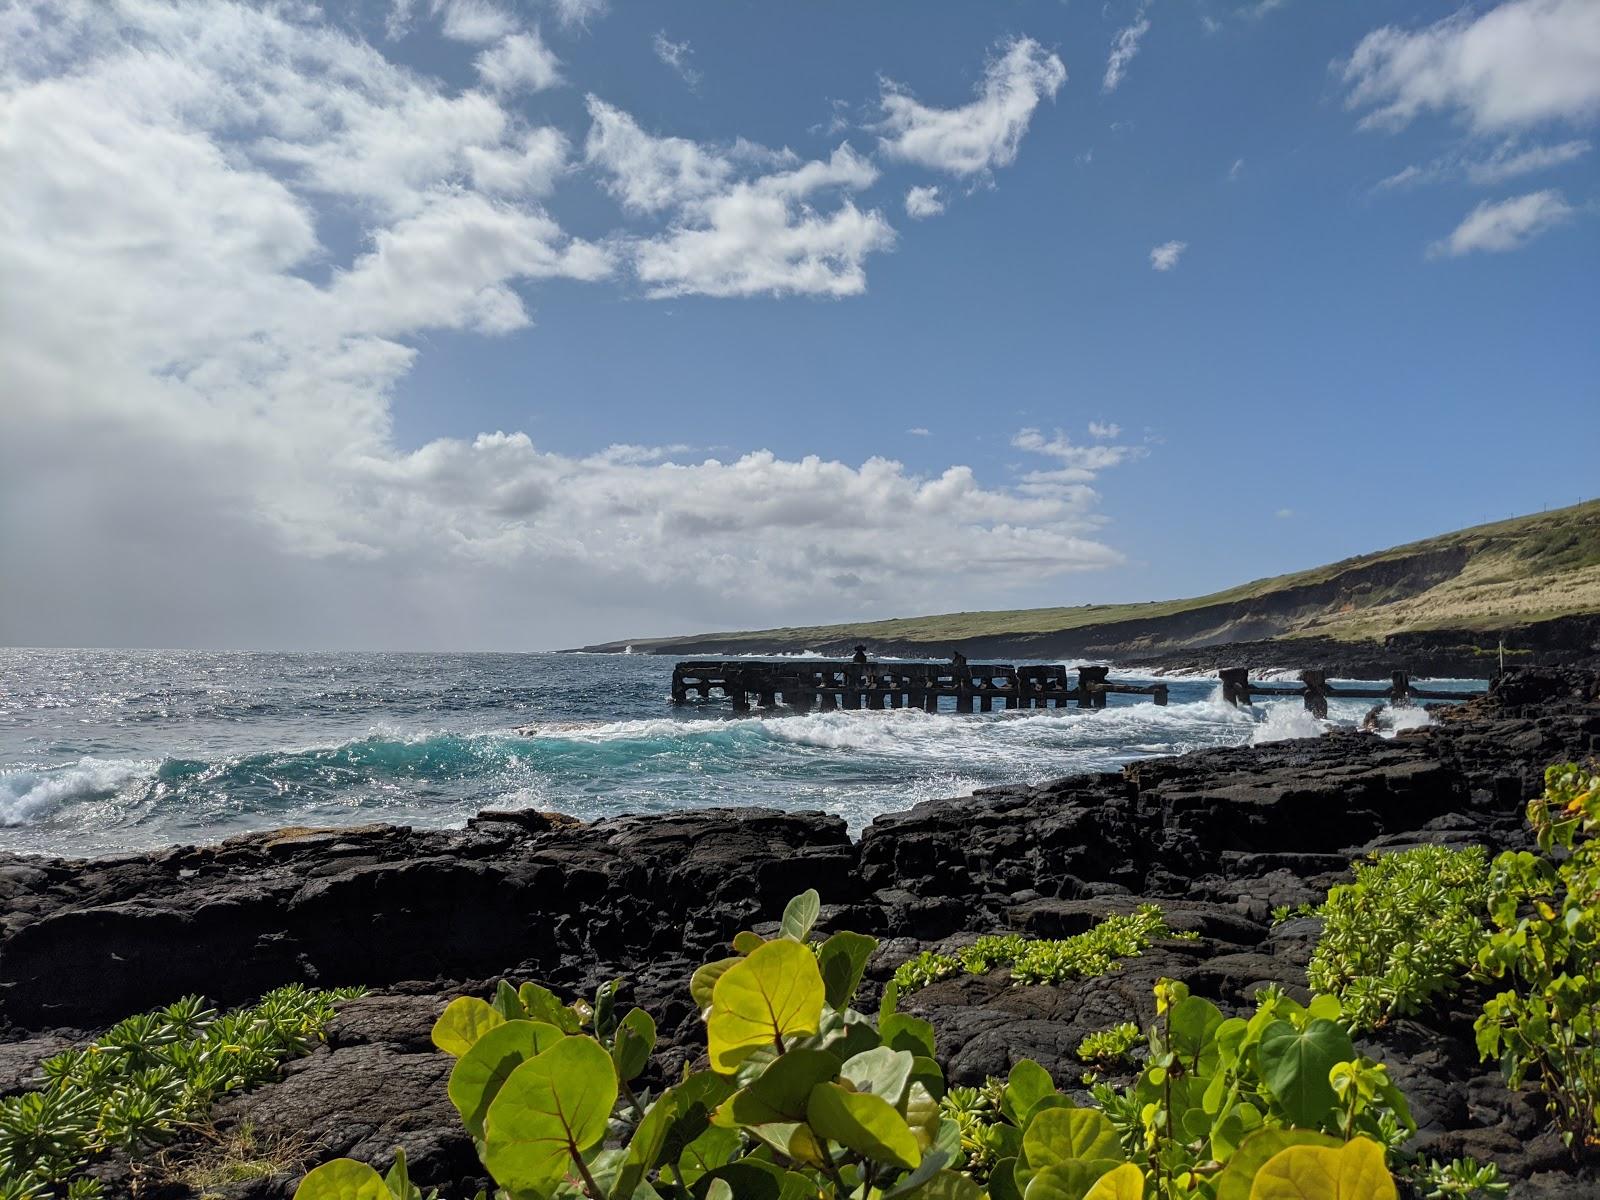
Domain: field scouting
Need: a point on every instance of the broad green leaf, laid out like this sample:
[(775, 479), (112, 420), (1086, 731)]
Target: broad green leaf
[(540, 1004), (605, 1009), (932, 1163), (1068, 1180), (696, 1097), (481, 1072), (636, 1038), (712, 1149), (704, 980), (644, 1151), (792, 1139), (1295, 1065), (925, 1071), (902, 1032), (800, 914), (343, 1179), (883, 1072), (781, 1092), (464, 1020), (747, 942), (1235, 1180), (1124, 1183), (1354, 1171), (1326, 1007), (506, 1002), (1061, 1135), (1194, 1024), (945, 1185), (865, 1123), (775, 993), (750, 1179), (550, 1111), (921, 1111), (1003, 1180), (843, 959), (398, 1179), (1027, 1084)]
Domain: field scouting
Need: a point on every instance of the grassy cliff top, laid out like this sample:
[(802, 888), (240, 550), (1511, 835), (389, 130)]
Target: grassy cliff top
[(1514, 572)]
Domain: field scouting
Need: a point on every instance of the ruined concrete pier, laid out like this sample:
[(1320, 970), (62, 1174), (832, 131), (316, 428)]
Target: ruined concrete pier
[(817, 685), (808, 684)]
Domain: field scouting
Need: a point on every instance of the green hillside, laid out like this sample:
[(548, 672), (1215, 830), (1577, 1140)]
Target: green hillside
[(1496, 576)]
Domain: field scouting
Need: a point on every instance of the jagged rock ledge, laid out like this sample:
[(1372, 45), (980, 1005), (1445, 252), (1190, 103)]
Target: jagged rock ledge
[(1218, 837)]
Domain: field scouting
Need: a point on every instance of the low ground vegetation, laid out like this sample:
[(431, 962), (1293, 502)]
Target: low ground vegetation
[(145, 1079), (1044, 960), (806, 1096)]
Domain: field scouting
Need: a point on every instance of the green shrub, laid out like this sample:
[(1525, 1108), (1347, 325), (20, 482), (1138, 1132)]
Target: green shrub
[(1107, 1047), (1546, 949), (145, 1077), (807, 1097), (1044, 960), (1406, 932)]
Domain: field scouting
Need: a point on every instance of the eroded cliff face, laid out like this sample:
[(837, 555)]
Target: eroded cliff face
[(1218, 839)]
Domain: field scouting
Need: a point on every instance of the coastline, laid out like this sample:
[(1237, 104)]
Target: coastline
[(1219, 838)]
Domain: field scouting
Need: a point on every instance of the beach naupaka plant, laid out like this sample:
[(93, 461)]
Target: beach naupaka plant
[(805, 1096)]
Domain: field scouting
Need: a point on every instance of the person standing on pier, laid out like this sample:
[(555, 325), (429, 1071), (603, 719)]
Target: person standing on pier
[(861, 656)]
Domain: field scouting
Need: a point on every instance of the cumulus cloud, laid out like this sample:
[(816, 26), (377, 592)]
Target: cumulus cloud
[(739, 227), (520, 61), (923, 202), (1514, 66), (1165, 256), (1123, 48), (1505, 224), (473, 20), (676, 55), (222, 468), (983, 134), (1104, 430)]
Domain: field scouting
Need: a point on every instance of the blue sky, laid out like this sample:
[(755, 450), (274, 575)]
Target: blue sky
[(1321, 277)]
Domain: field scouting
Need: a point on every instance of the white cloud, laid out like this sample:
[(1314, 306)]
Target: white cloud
[(1509, 160), (1508, 163), (1165, 256), (1236, 170), (923, 202), (473, 20), (223, 468), (983, 134), (1079, 465), (1104, 430), (1505, 224), (528, 164), (1519, 64), (648, 173), (576, 14), (1283, 514), (920, 431), (676, 55), (521, 61), (1123, 47), (735, 233)]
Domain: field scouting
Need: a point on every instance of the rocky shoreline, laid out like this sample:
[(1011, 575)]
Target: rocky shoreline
[(1218, 838)]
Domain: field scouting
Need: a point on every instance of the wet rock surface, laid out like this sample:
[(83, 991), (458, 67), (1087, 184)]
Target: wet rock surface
[(1218, 838)]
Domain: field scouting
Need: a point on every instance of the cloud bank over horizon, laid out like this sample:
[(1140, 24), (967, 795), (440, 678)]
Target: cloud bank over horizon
[(199, 442)]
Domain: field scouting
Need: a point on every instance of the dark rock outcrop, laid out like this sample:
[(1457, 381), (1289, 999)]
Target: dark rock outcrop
[(1218, 838)]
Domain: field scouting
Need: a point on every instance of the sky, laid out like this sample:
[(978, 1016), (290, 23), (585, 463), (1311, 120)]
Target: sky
[(519, 324)]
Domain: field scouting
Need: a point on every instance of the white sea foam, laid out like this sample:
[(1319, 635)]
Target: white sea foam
[(27, 795), (1284, 721)]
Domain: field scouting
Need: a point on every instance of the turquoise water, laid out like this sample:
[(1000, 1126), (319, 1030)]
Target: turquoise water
[(106, 751)]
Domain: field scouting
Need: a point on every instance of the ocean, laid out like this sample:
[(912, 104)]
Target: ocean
[(108, 751)]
